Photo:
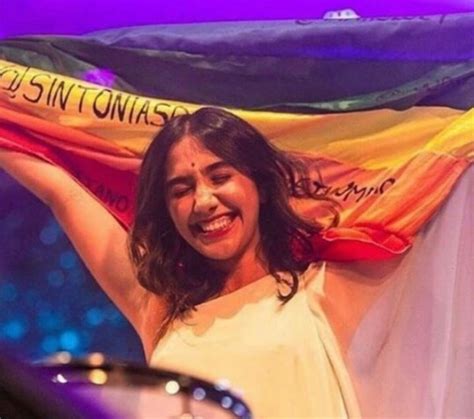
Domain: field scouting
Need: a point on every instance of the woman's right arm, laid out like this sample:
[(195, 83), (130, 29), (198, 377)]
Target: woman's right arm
[(95, 233)]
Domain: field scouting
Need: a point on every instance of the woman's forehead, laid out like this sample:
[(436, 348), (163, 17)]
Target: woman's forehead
[(189, 153)]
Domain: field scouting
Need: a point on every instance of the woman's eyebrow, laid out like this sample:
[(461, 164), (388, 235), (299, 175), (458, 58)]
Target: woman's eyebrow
[(221, 164)]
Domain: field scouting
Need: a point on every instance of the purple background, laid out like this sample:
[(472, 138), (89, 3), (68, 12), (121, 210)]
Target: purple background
[(80, 16)]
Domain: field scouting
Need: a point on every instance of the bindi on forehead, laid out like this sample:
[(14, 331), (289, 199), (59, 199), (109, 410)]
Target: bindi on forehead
[(188, 156)]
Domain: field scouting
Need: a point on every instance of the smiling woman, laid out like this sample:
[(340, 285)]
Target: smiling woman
[(214, 236), (211, 191)]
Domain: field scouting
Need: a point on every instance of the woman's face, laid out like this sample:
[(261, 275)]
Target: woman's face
[(214, 207)]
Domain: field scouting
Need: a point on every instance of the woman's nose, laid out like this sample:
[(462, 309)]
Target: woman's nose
[(204, 199)]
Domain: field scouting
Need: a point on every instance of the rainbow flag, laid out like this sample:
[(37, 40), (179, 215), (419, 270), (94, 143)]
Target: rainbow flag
[(374, 117)]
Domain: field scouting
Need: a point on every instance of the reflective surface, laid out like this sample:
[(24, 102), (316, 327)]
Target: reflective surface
[(130, 391)]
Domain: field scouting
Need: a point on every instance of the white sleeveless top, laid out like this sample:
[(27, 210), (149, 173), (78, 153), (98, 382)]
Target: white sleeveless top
[(283, 360)]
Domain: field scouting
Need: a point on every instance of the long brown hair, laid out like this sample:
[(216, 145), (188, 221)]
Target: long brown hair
[(165, 263)]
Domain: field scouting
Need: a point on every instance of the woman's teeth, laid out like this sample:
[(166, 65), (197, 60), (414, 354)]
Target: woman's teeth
[(215, 225)]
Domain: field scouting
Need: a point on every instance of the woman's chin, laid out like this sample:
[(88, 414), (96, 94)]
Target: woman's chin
[(221, 255)]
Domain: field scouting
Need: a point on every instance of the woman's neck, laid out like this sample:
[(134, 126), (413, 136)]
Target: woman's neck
[(239, 274)]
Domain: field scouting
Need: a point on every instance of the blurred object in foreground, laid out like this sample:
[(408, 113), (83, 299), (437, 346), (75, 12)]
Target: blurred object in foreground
[(149, 392)]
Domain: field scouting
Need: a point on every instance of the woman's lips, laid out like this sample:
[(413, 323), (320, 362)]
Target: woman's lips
[(215, 227)]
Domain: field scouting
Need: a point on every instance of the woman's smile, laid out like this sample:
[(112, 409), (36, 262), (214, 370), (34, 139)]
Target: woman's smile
[(215, 226)]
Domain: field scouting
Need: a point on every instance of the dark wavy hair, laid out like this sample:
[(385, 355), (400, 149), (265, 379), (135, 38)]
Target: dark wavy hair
[(166, 264)]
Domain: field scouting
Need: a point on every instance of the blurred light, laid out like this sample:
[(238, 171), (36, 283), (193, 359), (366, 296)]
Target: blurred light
[(60, 379), (69, 340), (226, 402), (49, 235), (15, 329), (63, 357), (98, 377), (239, 409), (95, 316), (341, 14), (172, 387), (50, 344), (96, 359), (199, 393), (67, 259)]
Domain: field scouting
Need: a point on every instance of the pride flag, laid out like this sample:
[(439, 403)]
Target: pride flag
[(373, 117)]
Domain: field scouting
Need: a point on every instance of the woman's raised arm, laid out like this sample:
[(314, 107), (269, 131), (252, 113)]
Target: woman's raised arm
[(97, 236)]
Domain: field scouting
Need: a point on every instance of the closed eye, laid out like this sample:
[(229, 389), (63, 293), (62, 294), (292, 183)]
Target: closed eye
[(220, 179), (180, 191)]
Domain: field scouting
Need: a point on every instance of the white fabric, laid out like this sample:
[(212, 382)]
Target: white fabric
[(413, 353), (284, 359)]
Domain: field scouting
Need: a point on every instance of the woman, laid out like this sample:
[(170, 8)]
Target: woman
[(219, 292)]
